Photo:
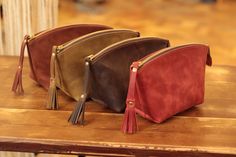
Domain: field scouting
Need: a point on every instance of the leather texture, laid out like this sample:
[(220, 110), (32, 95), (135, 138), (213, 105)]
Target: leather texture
[(169, 81), (69, 72), (110, 69), (40, 48)]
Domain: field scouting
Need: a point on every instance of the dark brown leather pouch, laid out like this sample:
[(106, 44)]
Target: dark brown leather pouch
[(107, 73)]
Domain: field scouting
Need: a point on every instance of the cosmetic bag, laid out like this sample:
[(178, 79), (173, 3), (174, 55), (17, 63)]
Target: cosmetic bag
[(107, 73), (67, 63), (39, 49), (165, 83)]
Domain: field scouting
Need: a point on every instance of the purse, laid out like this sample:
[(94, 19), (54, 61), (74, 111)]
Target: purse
[(165, 83), (107, 73), (39, 49), (67, 64)]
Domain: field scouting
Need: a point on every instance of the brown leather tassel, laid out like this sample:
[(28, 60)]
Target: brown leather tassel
[(52, 92), (77, 116), (17, 86)]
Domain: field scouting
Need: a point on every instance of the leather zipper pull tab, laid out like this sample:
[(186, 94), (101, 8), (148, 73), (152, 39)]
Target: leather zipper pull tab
[(17, 86), (52, 92), (77, 116), (130, 121)]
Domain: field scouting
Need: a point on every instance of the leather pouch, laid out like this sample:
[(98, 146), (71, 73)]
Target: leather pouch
[(107, 73), (67, 63), (165, 83), (39, 49)]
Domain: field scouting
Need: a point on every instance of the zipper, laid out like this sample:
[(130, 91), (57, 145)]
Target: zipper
[(88, 58), (37, 34), (160, 53), (60, 48), (44, 32), (96, 56), (56, 29), (89, 36)]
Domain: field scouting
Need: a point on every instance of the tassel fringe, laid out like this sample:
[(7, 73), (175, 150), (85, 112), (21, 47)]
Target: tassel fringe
[(17, 84), (130, 121), (77, 116), (52, 92)]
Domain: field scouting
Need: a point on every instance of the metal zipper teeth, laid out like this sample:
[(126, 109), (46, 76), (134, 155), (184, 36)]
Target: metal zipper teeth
[(95, 57), (89, 36), (32, 37), (55, 29), (160, 53), (45, 32)]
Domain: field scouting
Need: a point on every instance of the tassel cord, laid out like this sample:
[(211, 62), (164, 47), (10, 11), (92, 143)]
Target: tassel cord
[(78, 113), (52, 93), (17, 86), (130, 121)]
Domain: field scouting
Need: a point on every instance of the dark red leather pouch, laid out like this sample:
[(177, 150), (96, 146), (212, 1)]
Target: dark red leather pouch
[(165, 83), (39, 49)]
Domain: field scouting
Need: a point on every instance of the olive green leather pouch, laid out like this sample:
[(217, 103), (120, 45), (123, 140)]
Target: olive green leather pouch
[(67, 62)]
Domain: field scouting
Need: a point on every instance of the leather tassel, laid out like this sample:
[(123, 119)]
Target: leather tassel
[(52, 93), (130, 121), (77, 116), (17, 86)]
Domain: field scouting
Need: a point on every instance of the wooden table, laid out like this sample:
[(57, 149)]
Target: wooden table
[(206, 130)]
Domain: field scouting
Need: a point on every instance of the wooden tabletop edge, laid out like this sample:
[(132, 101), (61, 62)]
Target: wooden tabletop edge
[(107, 114), (115, 145)]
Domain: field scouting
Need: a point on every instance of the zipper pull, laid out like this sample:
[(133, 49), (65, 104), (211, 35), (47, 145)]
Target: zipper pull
[(130, 121), (89, 58), (60, 48), (77, 116), (17, 86), (52, 92)]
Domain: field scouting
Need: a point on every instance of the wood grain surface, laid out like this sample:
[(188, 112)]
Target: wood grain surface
[(206, 130)]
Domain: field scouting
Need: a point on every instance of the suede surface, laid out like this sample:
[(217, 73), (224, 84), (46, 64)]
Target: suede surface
[(70, 61), (110, 70), (40, 48), (171, 82)]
